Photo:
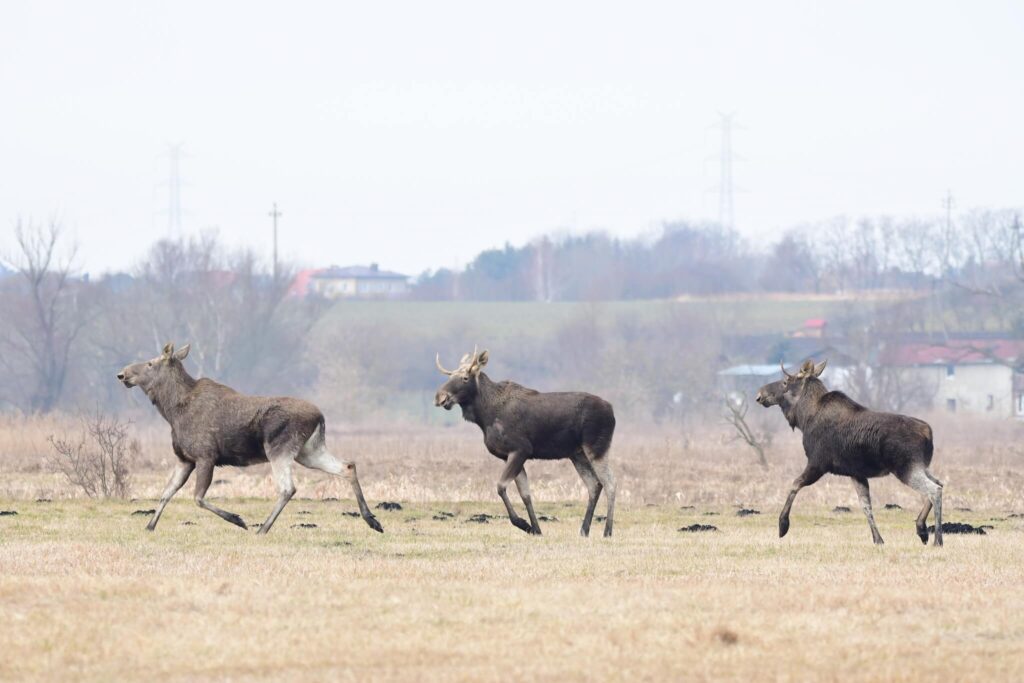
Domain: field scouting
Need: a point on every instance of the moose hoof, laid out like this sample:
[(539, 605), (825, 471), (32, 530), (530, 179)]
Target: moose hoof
[(922, 533), (535, 531), (374, 524), (607, 533), (584, 532), (783, 527), (238, 521), (522, 524)]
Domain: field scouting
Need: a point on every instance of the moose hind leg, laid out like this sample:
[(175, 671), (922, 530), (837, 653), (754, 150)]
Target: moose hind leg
[(931, 488), (586, 473), (319, 459), (281, 465), (523, 484), (604, 475), (204, 476), (864, 493)]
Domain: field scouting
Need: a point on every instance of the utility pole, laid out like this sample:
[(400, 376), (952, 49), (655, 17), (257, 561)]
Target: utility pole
[(275, 214)]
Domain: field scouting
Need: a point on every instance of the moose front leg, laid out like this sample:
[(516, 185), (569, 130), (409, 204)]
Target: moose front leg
[(178, 478), (806, 478), (513, 466)]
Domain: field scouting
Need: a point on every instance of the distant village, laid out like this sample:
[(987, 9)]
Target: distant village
[(975, 374)]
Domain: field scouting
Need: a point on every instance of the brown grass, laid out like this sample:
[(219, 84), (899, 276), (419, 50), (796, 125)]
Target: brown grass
[(87, 594)]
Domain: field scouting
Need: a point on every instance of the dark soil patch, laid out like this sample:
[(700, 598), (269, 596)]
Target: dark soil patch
[(303, 512), (710, 514), (686, 507), (386, 505), (350, 514), (330, 500), (546, 518), (695, 528), (841, 508), (221, 482), (893, 506), (304, 525), (600, 518), (963, 509), (8, 513), (1016, 515), (482, 518), (44, 500), (958, 528), (746, 512), (444, 516), (188, 522), (143, 512)]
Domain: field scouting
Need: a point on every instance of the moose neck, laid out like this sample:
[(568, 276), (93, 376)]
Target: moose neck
[(170, 392), (806, 407), (481, 409)]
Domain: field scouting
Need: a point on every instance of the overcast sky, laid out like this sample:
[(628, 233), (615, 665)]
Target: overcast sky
[(416, 134)]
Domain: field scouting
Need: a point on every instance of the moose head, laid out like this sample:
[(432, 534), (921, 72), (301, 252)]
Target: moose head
[(789, 386), (461, 386), (148, 373)]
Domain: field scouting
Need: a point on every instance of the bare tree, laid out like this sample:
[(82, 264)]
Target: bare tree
[(45, 310), (97, 459), (736, 415)]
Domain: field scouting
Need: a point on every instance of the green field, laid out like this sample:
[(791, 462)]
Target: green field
[(87, 594), (504, 319)]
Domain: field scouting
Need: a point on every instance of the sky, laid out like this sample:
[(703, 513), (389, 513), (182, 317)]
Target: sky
[(417, 134)]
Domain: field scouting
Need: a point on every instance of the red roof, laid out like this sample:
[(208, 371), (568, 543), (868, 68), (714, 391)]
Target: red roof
[(955, 352), (815, 323), (300, 285)]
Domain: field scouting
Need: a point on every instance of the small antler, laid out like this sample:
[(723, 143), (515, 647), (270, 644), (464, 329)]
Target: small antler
[(437, 359), (782, 365)]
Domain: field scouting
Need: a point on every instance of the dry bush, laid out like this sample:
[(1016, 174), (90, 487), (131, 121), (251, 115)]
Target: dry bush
[(98, 458)]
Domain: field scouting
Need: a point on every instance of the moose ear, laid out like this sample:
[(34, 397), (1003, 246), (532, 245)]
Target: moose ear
[(820, 368), (168, 349), (182, 353), (482, 360)]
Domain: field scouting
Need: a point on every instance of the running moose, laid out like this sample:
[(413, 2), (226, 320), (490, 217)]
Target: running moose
[(843, 437), (213, 425), (521, 424)]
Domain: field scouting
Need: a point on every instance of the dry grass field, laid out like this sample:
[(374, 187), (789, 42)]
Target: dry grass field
[(87, 594)]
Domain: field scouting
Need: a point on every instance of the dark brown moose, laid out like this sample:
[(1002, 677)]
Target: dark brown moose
[(212, 425), (521, 424), (843, 437)]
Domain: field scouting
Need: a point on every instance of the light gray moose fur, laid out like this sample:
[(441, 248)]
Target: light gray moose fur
[(212, 425)]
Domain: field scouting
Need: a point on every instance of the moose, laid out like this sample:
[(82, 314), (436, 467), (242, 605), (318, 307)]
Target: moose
[(842, 437), (213, 425), (521, 424)]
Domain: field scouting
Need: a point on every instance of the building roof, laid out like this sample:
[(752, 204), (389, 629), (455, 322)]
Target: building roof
[(955, 352), (751, 371), (815, 323), (371, 272)]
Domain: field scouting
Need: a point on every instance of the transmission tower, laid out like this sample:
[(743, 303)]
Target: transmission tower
[(947, 255), (726, 215), (174, 154), (274, 215)]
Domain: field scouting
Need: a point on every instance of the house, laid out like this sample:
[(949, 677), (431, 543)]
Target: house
[(977, 376), (357, 282)]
